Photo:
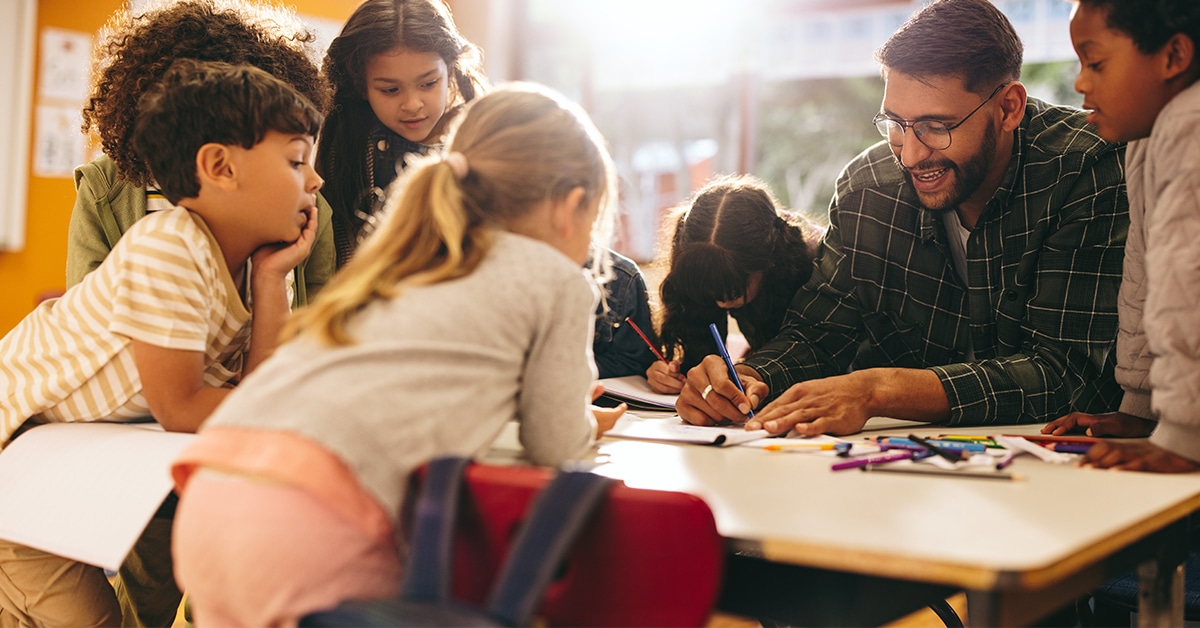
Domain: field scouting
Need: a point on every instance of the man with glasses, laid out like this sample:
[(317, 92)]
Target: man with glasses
[(970, 272)]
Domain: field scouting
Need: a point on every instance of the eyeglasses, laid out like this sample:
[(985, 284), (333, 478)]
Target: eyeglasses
[(932, 133)]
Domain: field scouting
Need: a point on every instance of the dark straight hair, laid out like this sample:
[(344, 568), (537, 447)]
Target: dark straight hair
[(377, 27), (732, 228)]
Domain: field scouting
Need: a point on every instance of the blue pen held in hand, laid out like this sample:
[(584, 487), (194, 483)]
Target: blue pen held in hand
[(728, 361)]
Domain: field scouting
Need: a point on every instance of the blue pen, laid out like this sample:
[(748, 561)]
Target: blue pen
[(728, 361)]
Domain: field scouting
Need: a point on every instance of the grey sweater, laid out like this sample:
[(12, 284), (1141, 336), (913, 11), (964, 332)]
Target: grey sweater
[(439, 370)]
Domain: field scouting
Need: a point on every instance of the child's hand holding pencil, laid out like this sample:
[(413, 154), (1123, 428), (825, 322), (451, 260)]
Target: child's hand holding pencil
[(663, 376)]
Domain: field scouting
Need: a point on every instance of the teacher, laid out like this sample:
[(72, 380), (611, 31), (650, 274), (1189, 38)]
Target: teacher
[(971, 268)]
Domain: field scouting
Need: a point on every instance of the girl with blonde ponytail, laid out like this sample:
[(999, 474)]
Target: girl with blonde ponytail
[(466, 308)]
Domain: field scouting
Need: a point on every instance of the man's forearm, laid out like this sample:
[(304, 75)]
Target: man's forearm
[(913, 394)]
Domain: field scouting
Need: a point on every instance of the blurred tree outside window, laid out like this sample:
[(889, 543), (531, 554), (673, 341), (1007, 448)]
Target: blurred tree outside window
[(784, 89)]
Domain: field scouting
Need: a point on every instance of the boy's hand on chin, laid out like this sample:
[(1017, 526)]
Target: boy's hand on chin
[(279, 258)]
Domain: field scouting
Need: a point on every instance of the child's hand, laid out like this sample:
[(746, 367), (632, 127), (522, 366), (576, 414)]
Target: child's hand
[(606, 418), (1137, 456), (665, 377), (280, 258), (1115, 424)]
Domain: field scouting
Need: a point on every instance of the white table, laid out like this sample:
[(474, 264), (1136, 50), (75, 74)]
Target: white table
[(1020, 549)]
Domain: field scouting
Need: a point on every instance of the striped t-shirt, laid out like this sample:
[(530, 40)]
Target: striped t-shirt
[(165, 283)]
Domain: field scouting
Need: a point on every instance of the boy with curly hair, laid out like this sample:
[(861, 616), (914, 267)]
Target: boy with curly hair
[(1139, 77), (163, 326), (116, 190)]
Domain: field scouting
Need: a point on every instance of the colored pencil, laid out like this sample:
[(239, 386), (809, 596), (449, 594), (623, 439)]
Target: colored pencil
[(646, 339)]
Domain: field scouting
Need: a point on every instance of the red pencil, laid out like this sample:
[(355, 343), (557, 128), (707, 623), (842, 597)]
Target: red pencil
[(646, 340)]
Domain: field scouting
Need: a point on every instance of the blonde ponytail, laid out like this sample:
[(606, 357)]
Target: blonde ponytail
[(426, 236), (514, 148)]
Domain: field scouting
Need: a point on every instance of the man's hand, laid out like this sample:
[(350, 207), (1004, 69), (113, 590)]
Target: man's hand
[(832, 405), (1137, 456), (1116, 424), (710, 398)]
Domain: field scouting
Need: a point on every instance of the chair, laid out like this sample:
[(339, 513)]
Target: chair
[(641, 558), (646, 557), (1113, 603)]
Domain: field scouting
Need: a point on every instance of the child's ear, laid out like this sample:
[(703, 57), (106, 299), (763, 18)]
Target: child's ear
[(214, 166), (564, 210), (1180, 54)]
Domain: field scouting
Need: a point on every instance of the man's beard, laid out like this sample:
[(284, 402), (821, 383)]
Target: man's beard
[(967, 177)]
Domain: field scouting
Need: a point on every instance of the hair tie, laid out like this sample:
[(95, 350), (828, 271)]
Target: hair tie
[(458, 164)]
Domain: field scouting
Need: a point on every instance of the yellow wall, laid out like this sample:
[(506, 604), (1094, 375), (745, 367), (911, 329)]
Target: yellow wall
[(41, 266)]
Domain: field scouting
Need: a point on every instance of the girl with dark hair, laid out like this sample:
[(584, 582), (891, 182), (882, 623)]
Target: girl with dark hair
[(735, 252), (400, 71)]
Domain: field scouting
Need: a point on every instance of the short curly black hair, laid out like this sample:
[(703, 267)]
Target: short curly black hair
[(1151, 23), (136, 50)]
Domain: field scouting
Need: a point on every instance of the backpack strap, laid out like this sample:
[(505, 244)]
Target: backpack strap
[(431, 561), (555, 519)]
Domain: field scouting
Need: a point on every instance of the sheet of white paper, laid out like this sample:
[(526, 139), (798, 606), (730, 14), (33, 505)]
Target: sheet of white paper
[(675, 430), (85, 491), (636, 390)]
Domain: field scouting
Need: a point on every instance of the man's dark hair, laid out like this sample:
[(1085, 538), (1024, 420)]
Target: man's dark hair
[(198, 103), (970, 39), (1151, 23)]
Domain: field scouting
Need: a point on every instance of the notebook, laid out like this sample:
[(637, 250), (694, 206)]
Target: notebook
[(675, 430), (635, 391)]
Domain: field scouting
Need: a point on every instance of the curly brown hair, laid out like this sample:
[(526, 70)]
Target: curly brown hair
[(136, 50)]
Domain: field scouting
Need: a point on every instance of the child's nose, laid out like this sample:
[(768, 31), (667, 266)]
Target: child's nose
[(412, 103), (1080, 84)]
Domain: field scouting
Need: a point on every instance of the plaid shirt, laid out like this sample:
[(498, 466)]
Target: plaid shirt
[(1040, 305)]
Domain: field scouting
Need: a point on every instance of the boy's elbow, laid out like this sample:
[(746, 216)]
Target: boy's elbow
[(178, 420), (186, 413)]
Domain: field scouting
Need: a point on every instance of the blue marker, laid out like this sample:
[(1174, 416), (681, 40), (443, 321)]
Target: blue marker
[(894, 442), (728, 361)]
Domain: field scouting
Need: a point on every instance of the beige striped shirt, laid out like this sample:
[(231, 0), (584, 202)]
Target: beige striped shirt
[(165, 284)]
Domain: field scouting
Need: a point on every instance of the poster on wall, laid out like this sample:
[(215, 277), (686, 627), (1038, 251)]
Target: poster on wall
[(63, 83), (64, 71), (58, 144)]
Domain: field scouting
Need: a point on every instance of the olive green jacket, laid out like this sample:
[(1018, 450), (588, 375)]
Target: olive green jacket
[(105, 208)]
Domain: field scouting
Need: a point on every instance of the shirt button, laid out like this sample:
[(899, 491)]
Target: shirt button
[(382, 145), (1010, 295)]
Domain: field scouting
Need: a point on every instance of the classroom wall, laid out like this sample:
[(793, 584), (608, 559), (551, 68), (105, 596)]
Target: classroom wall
[(39, 268)]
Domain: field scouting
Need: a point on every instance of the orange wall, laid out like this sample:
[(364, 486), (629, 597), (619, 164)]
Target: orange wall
[(41, 266)]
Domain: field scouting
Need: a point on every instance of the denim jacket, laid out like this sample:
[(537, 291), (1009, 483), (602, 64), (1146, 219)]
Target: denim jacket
[(618, 348)]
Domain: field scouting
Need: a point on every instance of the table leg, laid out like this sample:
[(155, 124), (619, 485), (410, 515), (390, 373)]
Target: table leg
[(1160, 594)]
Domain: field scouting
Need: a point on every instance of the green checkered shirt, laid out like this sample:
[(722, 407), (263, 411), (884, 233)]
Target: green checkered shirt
[(1043, 263)]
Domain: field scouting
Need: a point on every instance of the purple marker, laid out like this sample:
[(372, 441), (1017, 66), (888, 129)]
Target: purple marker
[(1072, 448), (855, 463)]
